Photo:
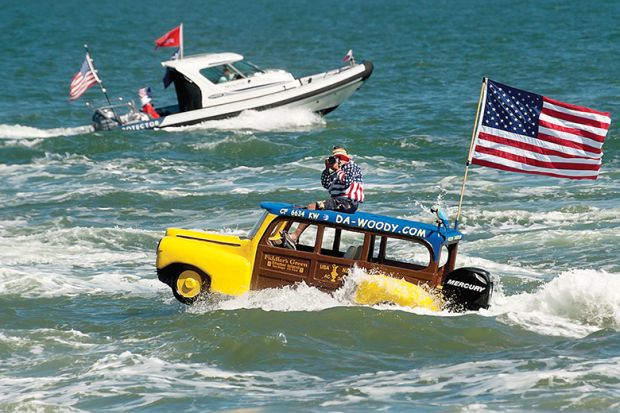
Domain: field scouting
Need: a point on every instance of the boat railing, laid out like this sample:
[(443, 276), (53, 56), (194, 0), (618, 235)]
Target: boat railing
[(308, 79), (119, 113), (118, 104)]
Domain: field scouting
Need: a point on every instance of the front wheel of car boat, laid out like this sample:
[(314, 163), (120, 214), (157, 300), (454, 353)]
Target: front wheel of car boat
[(188, 284)]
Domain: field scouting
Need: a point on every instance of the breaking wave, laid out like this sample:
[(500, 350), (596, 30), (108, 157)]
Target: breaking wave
[(574, 304), (273, 120), (27, 132)]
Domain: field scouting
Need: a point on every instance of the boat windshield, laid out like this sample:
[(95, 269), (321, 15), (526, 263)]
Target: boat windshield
[(231, 71), (215, 74), (247, 69)]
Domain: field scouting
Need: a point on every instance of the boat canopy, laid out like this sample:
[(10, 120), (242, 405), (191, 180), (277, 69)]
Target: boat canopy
[(201, 61), (212, 67)]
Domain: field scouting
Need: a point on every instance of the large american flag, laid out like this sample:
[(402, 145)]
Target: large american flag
[(524, 132), (83, 79)]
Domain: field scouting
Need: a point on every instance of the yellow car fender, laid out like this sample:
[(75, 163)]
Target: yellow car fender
[(226, 260)]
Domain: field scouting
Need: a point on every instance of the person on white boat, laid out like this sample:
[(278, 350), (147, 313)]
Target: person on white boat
[(145, 100), (227, 76), (344, 181)]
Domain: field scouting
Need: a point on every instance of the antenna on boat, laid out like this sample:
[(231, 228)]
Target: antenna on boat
[(105, 93), (471, 146)]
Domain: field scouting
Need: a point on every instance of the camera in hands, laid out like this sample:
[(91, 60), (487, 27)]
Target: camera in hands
[(332, 160)]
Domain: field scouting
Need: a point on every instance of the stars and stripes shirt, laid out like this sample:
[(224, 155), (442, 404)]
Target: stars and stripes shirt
[(346, 182)]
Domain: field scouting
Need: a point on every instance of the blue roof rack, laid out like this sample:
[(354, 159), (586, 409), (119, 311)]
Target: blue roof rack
[(435, 235)]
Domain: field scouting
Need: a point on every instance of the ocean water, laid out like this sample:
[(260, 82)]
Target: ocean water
[(85, 326)]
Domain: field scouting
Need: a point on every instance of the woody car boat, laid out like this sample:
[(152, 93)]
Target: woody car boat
[(409, 263), (202, 96)]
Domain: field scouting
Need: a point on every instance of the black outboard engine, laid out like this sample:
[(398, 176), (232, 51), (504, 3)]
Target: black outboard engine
[(468, 288), (104, 119)]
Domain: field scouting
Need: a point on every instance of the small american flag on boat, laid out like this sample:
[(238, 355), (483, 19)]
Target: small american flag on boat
[(83, 79)]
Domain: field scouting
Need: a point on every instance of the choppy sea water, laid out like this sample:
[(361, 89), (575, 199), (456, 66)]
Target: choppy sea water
[(86, 326)]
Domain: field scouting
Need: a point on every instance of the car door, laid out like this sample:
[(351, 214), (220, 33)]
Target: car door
[(277, 266), (323, 257), (339, 249)]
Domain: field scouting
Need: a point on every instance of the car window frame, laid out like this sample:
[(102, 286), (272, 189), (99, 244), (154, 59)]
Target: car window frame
[(368, 238), (381, 256)]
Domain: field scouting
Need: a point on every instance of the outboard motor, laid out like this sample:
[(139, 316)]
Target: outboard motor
[(468, 288), (104, 119)]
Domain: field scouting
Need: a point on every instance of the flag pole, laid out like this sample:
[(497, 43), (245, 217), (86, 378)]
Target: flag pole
[(91, 64), (469, 156), (181, 41)]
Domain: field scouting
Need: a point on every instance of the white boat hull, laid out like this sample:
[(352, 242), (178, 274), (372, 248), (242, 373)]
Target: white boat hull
[(319, 93)]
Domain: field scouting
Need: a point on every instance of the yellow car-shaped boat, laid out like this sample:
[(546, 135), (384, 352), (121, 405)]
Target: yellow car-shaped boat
[(412, 262)]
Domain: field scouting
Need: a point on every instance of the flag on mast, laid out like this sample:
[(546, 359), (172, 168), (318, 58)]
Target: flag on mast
[(174, 38), (525, 132), (83, 79), (349, 56)]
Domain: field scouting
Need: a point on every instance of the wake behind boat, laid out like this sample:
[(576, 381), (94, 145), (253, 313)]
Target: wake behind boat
[(222, 85)]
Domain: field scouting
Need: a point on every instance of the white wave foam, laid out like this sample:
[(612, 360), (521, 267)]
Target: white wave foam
[(521, 272), (27, 132), (89, 246), (58, 283), (301, 297), (136, 382), (34, 340), (279, 119), (131, 381), (570, 379), (574, 304), (244, 137), (76, 261), (384, 166), (522, 220)]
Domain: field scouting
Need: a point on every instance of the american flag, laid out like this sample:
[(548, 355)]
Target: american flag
[(524, 132), (83, 79)]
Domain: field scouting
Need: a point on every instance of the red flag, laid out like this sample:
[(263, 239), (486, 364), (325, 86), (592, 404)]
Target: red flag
[(525, 132), (170, 39)]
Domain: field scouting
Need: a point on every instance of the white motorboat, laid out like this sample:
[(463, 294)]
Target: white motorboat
[(205, 92)]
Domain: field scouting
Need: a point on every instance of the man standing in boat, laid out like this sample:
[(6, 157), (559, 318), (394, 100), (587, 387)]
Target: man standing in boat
[(145, 100), (344, 181)]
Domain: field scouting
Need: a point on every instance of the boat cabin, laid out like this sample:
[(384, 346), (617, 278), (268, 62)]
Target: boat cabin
[(201, 78)]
